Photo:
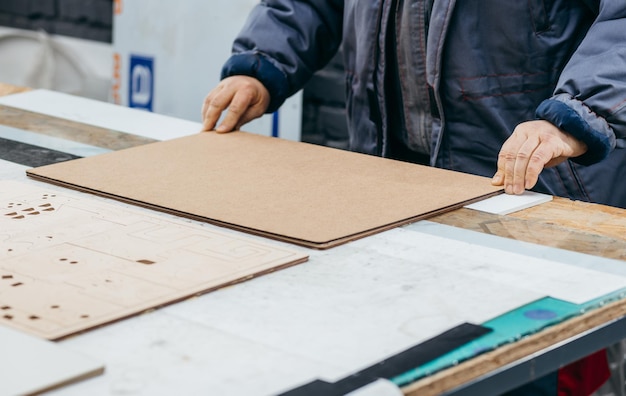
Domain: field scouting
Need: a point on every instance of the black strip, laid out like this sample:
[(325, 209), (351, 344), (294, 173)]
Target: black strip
[(30, 155), (395, 365)]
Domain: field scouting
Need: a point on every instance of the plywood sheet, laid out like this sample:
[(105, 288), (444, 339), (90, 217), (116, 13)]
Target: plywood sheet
[(310, 195), (69, 262), (30, 365)]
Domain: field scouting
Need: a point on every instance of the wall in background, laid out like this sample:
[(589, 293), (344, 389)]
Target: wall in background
[(63, 45), (66, 45), (169, 55), (86, 19)]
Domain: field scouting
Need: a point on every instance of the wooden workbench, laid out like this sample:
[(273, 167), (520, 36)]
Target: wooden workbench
[(577, 226)]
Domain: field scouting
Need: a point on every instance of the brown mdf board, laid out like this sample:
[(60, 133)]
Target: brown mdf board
[(70, 262), (301, 193)]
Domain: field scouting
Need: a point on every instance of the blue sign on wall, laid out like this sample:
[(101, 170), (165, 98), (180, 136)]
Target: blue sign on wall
[(141, 82)]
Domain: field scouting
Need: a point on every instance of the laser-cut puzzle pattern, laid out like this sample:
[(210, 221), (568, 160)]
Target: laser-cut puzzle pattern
[(69, 262)]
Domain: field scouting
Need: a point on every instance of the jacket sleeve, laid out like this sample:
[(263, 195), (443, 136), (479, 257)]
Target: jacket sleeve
[(590, 98), (284, 42)]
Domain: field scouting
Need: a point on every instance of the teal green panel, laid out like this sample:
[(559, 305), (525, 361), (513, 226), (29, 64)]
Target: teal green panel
[(508, 328)]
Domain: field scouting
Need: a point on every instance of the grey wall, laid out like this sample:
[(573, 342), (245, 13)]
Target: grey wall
[(87, 19), (324, 115)]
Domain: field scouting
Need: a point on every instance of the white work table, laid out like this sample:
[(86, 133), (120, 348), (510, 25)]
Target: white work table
[(344, 309)]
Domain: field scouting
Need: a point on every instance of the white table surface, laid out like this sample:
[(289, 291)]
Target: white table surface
[(343, 310)]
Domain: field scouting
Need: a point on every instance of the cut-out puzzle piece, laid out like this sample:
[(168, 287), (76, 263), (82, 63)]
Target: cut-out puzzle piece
[(69, 263)]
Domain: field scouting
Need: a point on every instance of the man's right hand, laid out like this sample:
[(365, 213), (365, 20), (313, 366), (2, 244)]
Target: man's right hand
[(246, 98)]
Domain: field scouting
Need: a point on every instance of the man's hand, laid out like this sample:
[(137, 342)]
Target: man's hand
[(533, 146), (246, 98)]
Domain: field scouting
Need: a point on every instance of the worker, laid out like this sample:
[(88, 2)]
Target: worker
[(530, 93)]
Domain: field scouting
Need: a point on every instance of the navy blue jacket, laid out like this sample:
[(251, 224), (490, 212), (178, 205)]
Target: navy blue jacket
[(491, 64)]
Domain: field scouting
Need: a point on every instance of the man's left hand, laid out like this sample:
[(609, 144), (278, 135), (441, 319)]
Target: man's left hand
[(534, 145)]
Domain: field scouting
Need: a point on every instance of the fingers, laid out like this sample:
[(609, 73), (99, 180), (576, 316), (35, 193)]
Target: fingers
[(525, 169), (244, 98), (253, 113), (533, 146), (539, 159), (214, 104), (513, 161), (245, 107)]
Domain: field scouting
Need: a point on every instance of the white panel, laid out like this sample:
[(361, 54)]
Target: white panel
[(504, 204), (101, 114), (29, 365)]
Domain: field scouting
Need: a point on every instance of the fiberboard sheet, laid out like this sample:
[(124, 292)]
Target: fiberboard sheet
[(296, 192)]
